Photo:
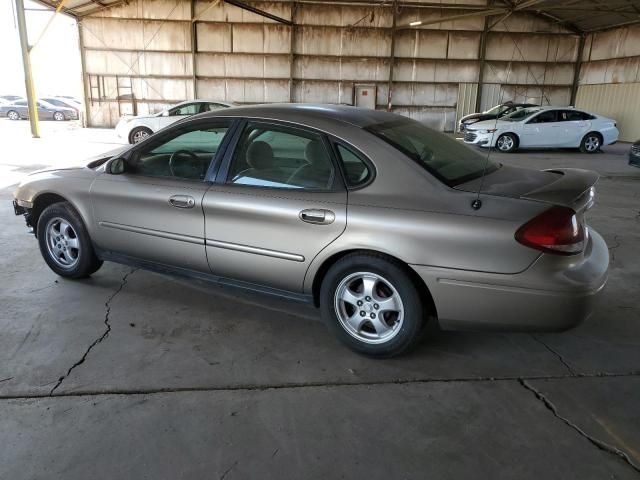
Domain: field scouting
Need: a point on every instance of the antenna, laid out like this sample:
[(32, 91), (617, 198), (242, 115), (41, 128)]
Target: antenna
[(476, 204)]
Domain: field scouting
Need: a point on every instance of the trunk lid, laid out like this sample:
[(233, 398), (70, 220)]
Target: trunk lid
[(568, 187)]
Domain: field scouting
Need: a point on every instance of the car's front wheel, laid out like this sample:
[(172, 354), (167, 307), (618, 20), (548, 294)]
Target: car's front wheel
[(13, 115), (372, 305), (58, 116), (139, 134), (507, 143), (64, 242), (591, 143)]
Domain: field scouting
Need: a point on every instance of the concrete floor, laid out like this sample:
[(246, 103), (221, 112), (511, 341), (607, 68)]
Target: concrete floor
[(157, 377)]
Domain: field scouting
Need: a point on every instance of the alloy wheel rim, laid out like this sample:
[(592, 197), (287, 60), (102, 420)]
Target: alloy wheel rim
[(505, 143), (369, 308), (139, 136), (592, 143), (58, 116), (63, 243), (13, 116)]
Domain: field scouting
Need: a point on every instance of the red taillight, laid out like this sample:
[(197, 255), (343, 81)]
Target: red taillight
[(555, 231)]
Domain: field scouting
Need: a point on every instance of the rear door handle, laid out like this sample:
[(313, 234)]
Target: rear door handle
[(182, 201), (318, 216)]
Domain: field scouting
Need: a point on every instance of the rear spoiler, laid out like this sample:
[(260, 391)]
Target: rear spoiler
[(573, 188)]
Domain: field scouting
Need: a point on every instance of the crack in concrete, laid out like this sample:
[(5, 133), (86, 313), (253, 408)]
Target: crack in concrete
[(600, 444), (292, 386), (226, 472), (557, 354), (98, 340), (612, 253)]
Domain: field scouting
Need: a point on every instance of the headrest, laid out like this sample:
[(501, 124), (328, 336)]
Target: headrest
[(260, 155), (316, 154)]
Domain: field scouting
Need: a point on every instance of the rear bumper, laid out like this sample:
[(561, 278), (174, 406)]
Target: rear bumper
[(555, 293)]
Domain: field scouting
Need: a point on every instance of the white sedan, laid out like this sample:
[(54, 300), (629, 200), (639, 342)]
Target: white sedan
[(134, 129), (544, 127)]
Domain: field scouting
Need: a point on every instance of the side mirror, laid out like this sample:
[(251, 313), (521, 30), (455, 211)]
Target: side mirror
[(115, 166)]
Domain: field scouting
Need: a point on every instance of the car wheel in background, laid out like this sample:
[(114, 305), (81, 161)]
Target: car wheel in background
[(591, 143), (372, 305), (507, 143), (58, 116), (139, 134), (13, 115), (64, 242)]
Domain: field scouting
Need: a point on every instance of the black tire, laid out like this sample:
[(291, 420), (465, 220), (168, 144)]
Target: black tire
[(591, 142), (507, 143), (87, 262), (138, 132), (407, 332), (13, 115), (59, 116)]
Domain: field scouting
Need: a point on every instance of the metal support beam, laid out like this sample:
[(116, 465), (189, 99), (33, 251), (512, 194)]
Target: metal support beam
[(83, 65), (26, 63), (576, 71), (194, 48), (292, 49), (392, 56), (482, 53), (258, 11)]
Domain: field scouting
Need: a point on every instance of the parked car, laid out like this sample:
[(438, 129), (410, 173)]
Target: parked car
[(371, 216), (498, 111), (544, 127), (46, 111), (634, 154), (62, 102), (134, 129)]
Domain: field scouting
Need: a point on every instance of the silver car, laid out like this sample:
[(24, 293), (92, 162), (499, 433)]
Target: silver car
[(46, 111), (379, 221)]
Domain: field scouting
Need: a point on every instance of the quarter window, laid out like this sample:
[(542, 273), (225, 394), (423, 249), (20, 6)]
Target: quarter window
[(186, 155), (356, 171), (281, 157)]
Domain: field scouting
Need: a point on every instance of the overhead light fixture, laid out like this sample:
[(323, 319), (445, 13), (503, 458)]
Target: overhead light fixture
[(416, 23)]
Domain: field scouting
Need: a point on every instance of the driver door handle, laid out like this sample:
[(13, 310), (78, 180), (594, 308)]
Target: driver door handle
[(182, 201), (318, 216)]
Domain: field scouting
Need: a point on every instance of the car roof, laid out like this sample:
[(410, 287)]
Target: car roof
[(202, 100), (309, 112)]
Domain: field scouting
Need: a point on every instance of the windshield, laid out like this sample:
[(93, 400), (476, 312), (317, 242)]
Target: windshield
[(448, 160), (519, 115), (496, 110)]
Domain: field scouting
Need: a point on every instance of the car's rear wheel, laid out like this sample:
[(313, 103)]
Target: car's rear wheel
[(507, 143), (139, 134), (372, 305), (591, 143), (13, 115), (64, 242), (58, 116)]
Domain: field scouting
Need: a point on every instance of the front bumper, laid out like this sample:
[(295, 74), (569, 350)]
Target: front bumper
[(475, 137), (554, 293)]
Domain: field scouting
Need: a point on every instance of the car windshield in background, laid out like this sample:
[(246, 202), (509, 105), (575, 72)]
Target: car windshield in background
[(519, 115), (448, 160)]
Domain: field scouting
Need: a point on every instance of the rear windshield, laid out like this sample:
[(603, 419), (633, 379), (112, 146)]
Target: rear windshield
[(447, 159)]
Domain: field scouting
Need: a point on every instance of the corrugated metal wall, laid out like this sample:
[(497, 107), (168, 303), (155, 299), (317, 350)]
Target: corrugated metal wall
[(610, 78), (144, 49)]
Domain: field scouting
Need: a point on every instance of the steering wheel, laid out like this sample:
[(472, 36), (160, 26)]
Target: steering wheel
[(176, 154)]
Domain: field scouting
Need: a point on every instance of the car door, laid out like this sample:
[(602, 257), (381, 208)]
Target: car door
[(277, 202), (152, 210), (574, 125), (177, 113), (542, 130)]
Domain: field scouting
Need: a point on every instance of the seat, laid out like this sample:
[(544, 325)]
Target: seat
[(259, 157)]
